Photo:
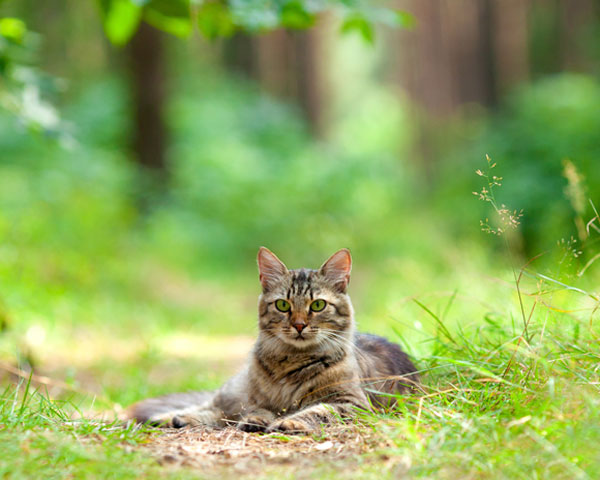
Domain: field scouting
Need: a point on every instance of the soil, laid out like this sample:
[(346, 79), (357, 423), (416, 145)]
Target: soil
[(228, 453)]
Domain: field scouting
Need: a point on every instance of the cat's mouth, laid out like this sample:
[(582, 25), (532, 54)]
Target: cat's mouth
[(304, 336), (303, 339)]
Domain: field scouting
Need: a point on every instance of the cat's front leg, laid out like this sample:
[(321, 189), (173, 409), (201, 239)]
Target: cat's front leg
[(256, 421), (310, 419)]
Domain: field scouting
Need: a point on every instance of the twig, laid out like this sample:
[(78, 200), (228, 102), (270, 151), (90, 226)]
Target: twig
[(43, 380), (36, 378)]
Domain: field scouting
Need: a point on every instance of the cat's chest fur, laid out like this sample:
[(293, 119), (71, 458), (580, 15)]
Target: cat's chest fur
[(285, 383)]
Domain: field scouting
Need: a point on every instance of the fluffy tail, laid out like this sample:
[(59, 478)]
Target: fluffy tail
[(152, 410)]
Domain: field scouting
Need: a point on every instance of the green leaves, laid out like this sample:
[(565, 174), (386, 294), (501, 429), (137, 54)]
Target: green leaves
[(13, 29), (364, 20), (294, 15), (405, 20), (359, 24), (121, 19), (171, 16), (222, 18), (214, 20)]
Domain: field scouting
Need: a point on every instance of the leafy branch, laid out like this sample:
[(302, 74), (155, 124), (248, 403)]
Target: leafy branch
[(223, 18)]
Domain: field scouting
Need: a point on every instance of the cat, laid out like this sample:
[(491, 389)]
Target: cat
[(308, 367)]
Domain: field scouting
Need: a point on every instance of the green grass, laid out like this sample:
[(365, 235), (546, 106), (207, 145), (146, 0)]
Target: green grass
[(499, 401), (41, 439), (504, 407)]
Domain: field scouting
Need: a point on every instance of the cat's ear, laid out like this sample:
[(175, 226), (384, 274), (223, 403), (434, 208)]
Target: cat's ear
[(271, 269), (337, 269)]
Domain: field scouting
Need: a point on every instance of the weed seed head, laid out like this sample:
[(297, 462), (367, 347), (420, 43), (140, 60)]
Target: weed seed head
[(507, 219)]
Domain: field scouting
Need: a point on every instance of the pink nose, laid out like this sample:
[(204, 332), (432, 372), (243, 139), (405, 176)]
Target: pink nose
[(299, 326)]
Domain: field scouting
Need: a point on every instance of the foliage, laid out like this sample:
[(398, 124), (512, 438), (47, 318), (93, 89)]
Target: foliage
[(556, 119), (545, 143), (22, 85), (221, 18), (264, 181)]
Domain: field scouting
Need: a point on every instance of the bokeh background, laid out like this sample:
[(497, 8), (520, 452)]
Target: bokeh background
[(138, 181)]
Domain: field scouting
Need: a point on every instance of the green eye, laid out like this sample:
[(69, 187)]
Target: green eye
[(282, 305), (318, 305)]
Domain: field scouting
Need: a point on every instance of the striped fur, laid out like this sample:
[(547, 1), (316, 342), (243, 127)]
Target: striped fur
[(307, 368)]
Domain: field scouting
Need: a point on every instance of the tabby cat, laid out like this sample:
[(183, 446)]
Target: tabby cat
[(308, 367)]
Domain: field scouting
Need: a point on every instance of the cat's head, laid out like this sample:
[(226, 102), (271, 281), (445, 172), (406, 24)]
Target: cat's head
[(304, 308)]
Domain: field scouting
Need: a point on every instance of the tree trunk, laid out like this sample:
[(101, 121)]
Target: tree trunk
[(510, 42), (240, 56), (445, 63), (448, 60), (577, 19), (147, 69), (287, 65), (309, 81), (275, 63)]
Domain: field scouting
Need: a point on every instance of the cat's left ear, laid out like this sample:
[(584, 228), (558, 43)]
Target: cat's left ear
[(337, 269)]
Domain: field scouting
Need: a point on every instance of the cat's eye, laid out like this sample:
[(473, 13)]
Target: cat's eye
[(318, 305), (282, 305)]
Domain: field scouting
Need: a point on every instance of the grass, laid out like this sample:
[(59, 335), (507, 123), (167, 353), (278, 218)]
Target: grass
[(510, 409), (499, 401), (41, 438)]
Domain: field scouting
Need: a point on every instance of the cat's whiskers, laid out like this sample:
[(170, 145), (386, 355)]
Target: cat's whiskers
[(342, 341)]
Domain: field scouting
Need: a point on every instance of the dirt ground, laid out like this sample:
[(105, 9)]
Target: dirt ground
[(228, 453)]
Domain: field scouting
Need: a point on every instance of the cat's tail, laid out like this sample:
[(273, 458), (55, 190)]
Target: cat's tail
[(154, 410)]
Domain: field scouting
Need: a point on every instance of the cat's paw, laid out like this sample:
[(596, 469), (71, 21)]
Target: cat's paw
[(163, 420), (207, 418), (181, 421), (290, 425), (170, 420), (253, 423)]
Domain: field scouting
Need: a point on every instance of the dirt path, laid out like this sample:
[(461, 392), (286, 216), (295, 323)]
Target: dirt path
[(226, 453)]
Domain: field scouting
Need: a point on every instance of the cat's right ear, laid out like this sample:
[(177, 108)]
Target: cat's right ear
[(271, 269)]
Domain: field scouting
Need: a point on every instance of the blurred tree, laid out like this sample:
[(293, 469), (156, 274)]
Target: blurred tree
[(309, 78), (473, 52), (148, 91), (239, 54), (510, 43), (448, 60), (131, 19), (577, 20), (287, 64)]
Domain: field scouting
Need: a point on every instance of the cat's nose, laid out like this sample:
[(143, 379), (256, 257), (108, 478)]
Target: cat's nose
[(299, 326)]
